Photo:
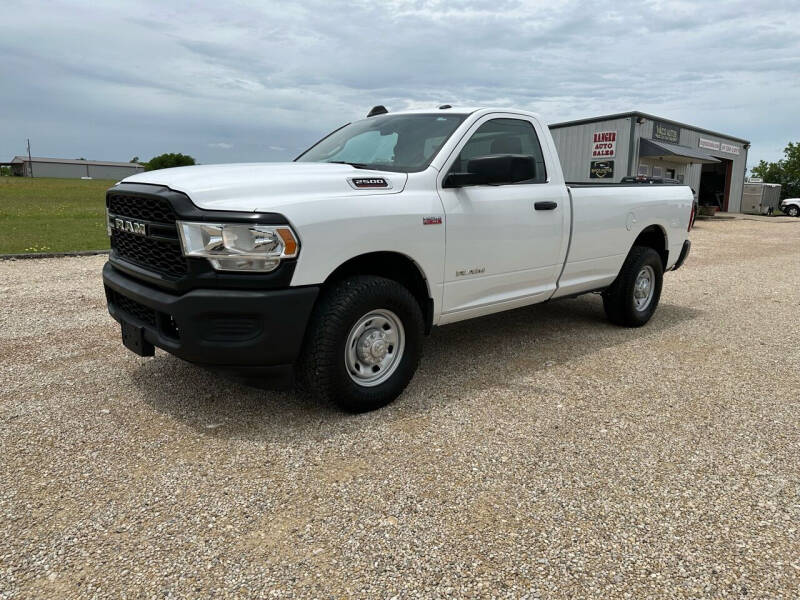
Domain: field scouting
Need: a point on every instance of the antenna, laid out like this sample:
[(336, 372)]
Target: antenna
[(377, 110)]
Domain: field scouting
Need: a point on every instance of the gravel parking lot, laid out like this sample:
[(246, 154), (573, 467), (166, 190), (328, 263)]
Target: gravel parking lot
[(541, 453)]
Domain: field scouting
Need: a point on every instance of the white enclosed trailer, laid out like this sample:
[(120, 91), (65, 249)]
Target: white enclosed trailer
[(761, 198)]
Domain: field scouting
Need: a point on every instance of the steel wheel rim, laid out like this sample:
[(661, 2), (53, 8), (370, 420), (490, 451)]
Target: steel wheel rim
[(644, 288), (374, 347)]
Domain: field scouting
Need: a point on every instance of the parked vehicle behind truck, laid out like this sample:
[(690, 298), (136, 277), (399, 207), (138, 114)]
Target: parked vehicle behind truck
[(791, 207), (335, 266)]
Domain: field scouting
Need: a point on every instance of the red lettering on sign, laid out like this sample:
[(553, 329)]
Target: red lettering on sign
[(605, 136), (604, 144)]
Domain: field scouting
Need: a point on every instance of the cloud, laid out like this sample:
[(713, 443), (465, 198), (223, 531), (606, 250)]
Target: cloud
[(128, 78)]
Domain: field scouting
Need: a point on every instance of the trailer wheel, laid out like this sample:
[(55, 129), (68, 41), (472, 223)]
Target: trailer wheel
[(363, 344), (633, 296)]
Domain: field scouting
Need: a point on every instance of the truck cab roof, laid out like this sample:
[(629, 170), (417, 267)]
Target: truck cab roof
[(468, 110)]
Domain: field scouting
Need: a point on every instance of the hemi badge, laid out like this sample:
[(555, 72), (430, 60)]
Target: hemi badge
[(369, 182), (431, 220)]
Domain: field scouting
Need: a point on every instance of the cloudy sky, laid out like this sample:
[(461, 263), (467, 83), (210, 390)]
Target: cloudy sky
[(254, 80)]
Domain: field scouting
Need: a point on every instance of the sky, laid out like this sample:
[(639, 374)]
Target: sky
[(247, 81)]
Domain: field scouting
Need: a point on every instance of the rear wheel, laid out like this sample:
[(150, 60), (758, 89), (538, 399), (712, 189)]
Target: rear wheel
[(793, 211), (363, 344), (633, 297)]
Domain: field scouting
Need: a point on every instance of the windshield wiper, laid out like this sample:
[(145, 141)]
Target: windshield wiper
[(352, 164)]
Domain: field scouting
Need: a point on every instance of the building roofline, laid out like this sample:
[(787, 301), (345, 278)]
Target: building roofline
[(71, 161), (636, 113)]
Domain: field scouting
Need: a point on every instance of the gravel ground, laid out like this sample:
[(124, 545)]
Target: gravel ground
[(541, 453)]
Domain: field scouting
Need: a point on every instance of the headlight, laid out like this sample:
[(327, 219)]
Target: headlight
[(238, 246)]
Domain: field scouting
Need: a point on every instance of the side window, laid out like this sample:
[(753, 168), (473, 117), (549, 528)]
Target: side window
[(503, 136)]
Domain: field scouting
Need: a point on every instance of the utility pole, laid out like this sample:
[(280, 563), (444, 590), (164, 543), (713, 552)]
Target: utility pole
[(30, 160)]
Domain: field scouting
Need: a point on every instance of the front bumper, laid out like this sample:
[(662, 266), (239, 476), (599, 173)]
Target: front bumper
[(241, 330)]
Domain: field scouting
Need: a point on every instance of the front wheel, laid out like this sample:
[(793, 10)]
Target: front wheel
[(793, 211), (363, 343), (633, 296)]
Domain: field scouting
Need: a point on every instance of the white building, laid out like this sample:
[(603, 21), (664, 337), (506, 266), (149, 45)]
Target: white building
[(72, 169)]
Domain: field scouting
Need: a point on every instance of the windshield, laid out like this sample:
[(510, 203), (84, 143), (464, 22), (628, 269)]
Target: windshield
[(405, 143)]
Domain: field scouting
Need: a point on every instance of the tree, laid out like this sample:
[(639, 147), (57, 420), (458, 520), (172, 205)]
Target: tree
[(135, 159), (166, 161), (786, 171)]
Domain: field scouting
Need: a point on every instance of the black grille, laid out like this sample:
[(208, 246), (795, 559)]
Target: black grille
[(161, 254), (142, 207), (164, 257), (131, 307)]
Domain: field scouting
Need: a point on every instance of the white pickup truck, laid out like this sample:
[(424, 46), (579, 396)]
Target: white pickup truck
[(335, 266)]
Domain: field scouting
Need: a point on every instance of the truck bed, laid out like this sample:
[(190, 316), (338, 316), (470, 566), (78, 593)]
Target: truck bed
[(604, 226)]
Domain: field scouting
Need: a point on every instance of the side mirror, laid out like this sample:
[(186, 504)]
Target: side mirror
[(457, 180), (494, 169)]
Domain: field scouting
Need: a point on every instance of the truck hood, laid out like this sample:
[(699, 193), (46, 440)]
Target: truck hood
[(267, 187)]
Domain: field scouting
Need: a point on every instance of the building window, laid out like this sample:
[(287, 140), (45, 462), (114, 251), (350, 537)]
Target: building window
[(644, 170), (657, 172)]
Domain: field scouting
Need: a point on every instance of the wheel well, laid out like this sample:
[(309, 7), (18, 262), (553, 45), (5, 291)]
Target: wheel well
[(654, 237), (391, 265)]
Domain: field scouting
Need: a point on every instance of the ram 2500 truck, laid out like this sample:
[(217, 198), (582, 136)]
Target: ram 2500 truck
[(335, 266)]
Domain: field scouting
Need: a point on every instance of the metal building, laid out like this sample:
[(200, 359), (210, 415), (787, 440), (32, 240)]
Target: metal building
[(72, 169), (637, 144)]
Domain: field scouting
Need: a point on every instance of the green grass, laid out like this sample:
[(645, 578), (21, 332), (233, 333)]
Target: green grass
[(52, 215)]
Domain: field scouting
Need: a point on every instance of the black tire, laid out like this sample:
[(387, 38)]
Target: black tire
[(793, 211), (619, 299), (322, 367)]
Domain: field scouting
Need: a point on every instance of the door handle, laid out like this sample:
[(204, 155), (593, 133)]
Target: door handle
[(545, 205)]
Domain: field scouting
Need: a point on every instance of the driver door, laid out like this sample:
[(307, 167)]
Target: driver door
[(504, 241)]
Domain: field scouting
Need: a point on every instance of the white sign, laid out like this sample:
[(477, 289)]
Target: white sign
[(708, 144), (604, 144), (719, 146), (729, 148)]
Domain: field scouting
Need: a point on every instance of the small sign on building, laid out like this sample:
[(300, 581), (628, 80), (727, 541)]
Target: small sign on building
[(708, 144), (666, 133), (719, 146), (604, 144), (729, 148), (601, 169)]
